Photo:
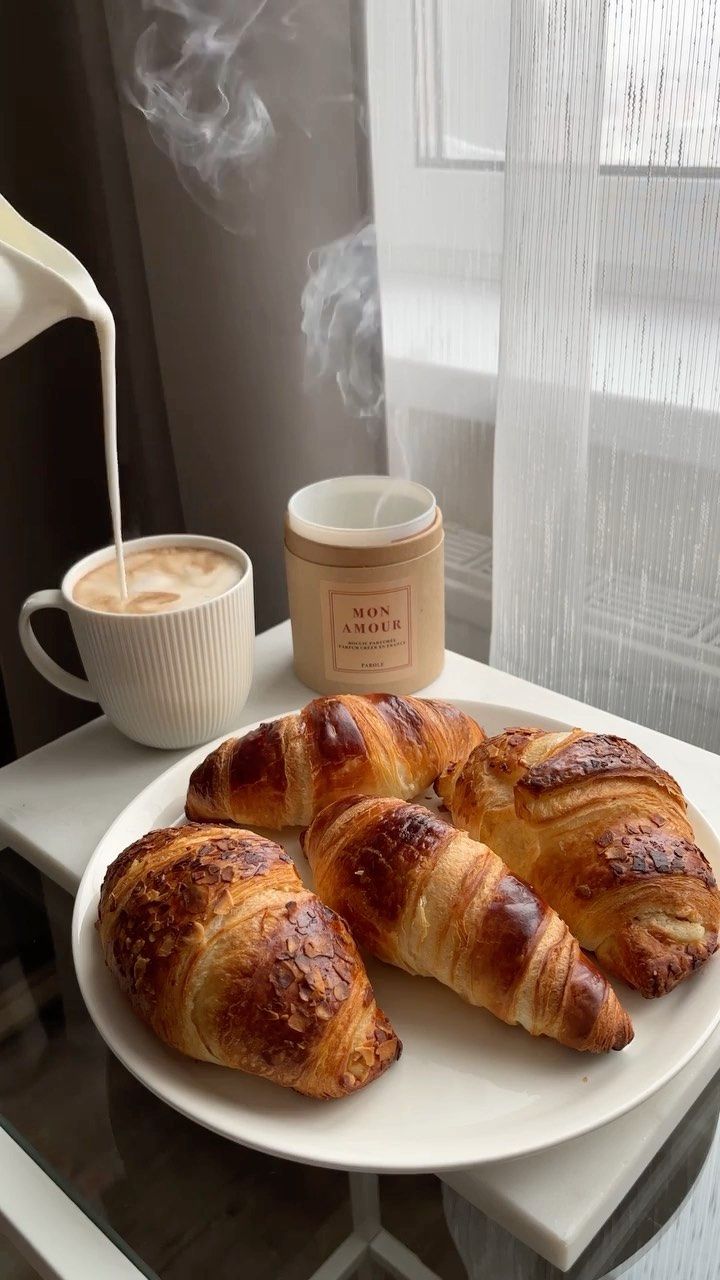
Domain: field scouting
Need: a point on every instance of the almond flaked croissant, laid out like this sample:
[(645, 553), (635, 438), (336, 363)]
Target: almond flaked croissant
[(423, 896), (230, 959), (602, 833), (285, 772)]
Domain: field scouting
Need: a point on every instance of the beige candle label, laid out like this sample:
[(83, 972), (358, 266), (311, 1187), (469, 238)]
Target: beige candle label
[(367, 629)]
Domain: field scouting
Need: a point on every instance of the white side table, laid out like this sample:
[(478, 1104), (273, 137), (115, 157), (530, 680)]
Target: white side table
[(57, 802)]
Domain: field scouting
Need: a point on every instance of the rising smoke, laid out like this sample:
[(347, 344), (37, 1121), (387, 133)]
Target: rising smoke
[(341, 320), (192, 82), (218, 83)]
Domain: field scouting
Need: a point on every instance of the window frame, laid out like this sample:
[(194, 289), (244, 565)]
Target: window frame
[(429, 207)]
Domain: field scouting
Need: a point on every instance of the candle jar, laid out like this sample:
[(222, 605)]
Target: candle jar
[(365, 575)]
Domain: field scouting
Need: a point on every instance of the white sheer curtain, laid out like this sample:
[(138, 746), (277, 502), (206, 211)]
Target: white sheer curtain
[(606, 526)]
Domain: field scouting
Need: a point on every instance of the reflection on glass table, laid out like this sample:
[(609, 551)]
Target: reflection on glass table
[(12, 1264)]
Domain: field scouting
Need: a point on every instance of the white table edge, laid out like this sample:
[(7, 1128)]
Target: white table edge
[(48, 1228), (57, 871)]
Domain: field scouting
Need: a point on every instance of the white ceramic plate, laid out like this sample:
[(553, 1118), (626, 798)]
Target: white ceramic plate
[(467, 1089)]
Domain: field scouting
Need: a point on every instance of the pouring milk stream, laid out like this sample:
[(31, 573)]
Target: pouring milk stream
[(40, 284)]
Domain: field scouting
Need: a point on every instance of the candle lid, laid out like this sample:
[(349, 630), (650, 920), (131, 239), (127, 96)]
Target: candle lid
[(361, 511)]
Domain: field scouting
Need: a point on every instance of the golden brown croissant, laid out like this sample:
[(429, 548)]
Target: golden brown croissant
[(285, 772), (230, 959), (423, 896), (602, 833)]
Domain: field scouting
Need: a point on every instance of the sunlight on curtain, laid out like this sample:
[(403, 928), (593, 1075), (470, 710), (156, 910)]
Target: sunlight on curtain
[(606, 527)]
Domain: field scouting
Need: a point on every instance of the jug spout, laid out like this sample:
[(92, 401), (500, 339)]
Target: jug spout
[(40, 282), (27, 304)]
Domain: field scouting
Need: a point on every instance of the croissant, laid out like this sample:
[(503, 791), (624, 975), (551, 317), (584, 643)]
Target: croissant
[(285, 772), (602, 833), (423, 896), (228, 958)]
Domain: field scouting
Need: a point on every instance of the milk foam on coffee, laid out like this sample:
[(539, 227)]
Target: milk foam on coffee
[(159, 580)]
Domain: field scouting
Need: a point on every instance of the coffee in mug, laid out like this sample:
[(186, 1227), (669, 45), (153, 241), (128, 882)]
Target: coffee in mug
[(170, 665), (159, 580)]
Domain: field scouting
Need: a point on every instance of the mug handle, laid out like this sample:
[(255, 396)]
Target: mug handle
[(42, 661)]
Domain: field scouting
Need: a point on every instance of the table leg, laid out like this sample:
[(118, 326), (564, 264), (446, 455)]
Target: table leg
[(397, 1260), (370, 1242), (344, 1262), (365, 1209)]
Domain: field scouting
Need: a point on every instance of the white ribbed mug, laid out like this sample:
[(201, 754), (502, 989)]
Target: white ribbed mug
[(164, 679)]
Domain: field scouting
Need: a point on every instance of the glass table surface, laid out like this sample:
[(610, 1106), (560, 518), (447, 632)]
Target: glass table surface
[(181, 1202)]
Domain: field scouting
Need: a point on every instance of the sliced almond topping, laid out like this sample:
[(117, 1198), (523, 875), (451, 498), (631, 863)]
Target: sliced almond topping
[(223, 904)]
